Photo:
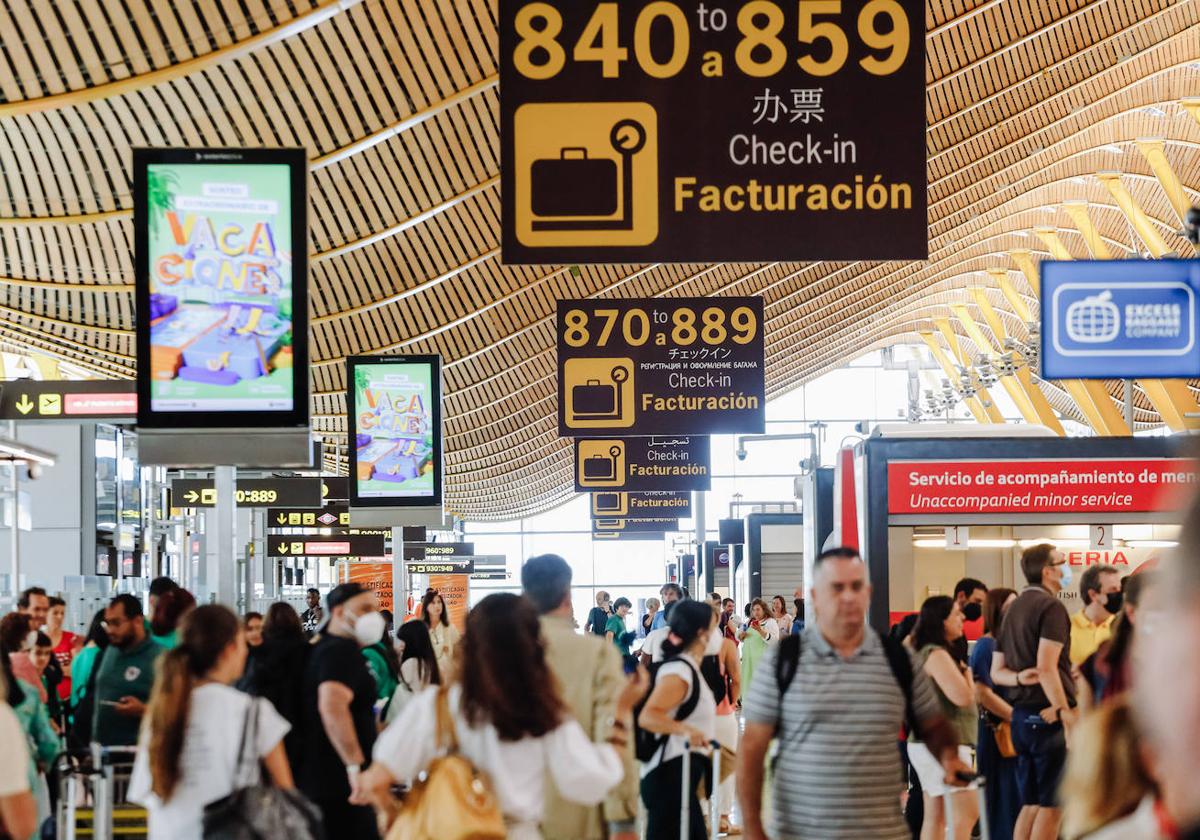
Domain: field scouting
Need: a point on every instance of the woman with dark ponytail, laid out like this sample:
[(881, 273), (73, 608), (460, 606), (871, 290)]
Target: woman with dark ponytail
[(190, 742), (680, 708)]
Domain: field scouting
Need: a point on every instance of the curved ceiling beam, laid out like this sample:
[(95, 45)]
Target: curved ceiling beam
[(319, 14)]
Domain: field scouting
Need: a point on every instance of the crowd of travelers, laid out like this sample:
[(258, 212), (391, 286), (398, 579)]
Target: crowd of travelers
[(360, 724)]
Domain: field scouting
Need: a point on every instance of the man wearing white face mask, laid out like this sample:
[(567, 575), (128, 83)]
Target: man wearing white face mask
[(338, 713)]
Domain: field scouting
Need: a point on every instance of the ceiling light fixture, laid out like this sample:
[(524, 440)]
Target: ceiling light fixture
[(17, 451)]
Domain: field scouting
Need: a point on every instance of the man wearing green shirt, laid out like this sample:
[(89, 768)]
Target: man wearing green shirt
[(125, 675), (615, 629)]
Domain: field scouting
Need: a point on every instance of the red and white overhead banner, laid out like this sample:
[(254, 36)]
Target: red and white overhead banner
[(1106, 485)]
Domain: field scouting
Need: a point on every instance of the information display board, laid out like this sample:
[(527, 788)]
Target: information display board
[(394, 411), (1120, 318), (688, 131), (221, 251), (113, 400), (320, 546), (452, 565), (428, 550), (642, 367), (643, 464), (251, 492), (607, 504)]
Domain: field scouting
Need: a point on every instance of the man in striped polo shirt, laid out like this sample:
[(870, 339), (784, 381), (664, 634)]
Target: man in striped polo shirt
[(838, 774)]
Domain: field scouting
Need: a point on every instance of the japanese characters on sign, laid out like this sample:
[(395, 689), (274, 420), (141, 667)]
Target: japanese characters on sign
[(641, 367), (680, 130)]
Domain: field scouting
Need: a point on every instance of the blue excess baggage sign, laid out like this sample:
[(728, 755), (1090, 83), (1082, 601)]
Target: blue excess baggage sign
[(1120, 318), (686, 366), (693, 130)]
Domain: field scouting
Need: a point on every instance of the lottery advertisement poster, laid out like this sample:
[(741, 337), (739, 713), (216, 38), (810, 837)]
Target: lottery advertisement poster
[(224, 287), (395, 418)]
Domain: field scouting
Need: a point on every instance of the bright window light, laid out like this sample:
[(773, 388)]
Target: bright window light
[(941, 543)]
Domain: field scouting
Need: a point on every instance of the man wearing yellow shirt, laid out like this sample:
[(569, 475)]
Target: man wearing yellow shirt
[(1100, 587)]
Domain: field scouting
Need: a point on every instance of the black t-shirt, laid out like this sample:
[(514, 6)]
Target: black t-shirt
[(598, 618), (333, 659), (1035, 615)]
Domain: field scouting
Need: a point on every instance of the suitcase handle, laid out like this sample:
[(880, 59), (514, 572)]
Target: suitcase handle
[(580, 153)]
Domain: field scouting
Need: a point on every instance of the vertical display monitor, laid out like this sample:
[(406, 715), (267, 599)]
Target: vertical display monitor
[(221, 253), (394, 422)]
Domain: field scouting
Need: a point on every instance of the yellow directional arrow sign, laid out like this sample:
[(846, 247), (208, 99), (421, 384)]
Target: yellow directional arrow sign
[(192, 496), (281, 519), (283, 548), (24, 405)]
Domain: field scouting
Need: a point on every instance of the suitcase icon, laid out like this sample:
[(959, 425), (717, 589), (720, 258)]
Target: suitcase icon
[(596, 400), (567, 192), (600, 468), (607, 501), (574, 185), (593, 398)]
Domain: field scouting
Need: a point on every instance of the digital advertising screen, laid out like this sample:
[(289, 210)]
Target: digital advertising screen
[(394, 422), (221, 252)]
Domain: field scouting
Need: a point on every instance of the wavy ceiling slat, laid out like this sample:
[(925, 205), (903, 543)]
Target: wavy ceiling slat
[(397, 103)]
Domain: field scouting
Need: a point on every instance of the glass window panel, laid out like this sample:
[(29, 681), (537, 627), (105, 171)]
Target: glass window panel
[(565, 517)]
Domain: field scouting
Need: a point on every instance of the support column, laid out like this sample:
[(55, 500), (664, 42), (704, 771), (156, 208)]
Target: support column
[(222, 579), (399, 578), (701, 528), (14, 533)]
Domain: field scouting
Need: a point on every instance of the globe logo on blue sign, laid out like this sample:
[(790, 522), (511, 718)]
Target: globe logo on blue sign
[(1120, 319), (1094, 319)]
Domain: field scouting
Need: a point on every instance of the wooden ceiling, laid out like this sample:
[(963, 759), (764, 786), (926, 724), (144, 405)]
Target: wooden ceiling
[(397, 103)]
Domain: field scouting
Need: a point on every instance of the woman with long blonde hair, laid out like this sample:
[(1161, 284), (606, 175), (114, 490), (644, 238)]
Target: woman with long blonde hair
[(198, 727)]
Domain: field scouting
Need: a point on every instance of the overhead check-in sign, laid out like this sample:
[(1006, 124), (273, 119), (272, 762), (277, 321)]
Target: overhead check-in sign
[(332, 546), (642, 464), (689, 366), (684, 130), (633, 529), (114, 400), (607, 504), (251, 492), (1120, 318)]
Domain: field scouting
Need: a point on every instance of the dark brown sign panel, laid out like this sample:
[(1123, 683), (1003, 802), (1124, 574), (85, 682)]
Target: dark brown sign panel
[(643, 464), (694, 131), (687, 366), (114, 400), (633, 529), (607, 504), (286, 545), (251, 492)]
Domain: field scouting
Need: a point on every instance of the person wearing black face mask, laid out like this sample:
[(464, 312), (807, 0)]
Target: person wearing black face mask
[(969, 594), (1100, 587)]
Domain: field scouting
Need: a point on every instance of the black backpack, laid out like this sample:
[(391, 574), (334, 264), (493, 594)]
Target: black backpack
[(646, 743), (788, 661)]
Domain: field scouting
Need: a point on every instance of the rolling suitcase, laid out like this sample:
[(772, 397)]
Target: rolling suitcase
[(978, 784), (687, 792)]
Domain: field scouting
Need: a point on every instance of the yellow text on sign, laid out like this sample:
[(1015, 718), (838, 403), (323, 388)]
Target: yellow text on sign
[(879, 36)]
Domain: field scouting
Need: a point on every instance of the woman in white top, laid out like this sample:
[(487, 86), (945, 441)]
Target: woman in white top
[(510, 723), (418, 666), (780, 616), (441, 631), (681, 707), (187, 756)]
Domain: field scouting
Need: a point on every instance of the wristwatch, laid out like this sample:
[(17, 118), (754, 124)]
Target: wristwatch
[(352, 770)]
